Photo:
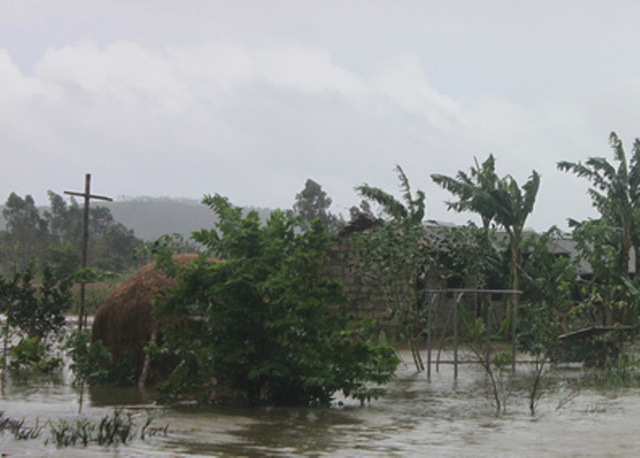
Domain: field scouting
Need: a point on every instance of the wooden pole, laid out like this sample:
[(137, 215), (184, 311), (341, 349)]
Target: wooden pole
[(487, 328), (430, 308), (5, 348), (456, 304), (514, 330), (85, 241), (85, 247)]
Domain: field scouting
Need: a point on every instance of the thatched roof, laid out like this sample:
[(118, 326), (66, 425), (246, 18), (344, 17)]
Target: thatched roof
[(124, 322)]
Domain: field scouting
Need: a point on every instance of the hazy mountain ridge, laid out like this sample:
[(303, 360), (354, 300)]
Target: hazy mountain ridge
[(151, 217)]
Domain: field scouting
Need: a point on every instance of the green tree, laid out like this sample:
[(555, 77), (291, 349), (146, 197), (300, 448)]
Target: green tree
[(258, 322), (26, 233), (64, 220), (547, 303), (54, 236), (395, 256), (111, 244), (114, 248), (311, 203), (501, 200), (409, 213), (395, 260), (615, 194), (474, 190), (36, 308), (65, 228), (513, 205)]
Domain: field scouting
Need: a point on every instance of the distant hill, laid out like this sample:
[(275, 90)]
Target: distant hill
[(151, 217)]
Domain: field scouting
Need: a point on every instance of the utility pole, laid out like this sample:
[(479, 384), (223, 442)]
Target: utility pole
[(85, 239)]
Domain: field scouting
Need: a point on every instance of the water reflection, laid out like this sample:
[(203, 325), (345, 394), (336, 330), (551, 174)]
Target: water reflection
[(102, 396)]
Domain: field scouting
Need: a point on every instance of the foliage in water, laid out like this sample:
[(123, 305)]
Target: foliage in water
[(35, 307), (32, 354), (257, 325), (88, 358), (111, 430)]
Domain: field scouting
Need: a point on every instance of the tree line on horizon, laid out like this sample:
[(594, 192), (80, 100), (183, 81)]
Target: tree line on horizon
[(53, 234)]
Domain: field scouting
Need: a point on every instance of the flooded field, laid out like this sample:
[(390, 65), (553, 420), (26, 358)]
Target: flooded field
[(441, 417)]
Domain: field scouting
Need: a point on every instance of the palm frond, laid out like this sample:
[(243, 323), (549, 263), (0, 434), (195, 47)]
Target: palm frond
[(530, 188), (634, 171), (404, 184), (411, 211), (418, 207), (389, 204), (473, 190)]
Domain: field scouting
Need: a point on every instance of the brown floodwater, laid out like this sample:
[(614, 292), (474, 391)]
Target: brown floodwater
[(416, 418)]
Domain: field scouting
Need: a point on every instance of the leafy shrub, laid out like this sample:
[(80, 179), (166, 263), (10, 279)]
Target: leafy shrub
[(88, 359), (257, 325), (36, 309), (31, 353)]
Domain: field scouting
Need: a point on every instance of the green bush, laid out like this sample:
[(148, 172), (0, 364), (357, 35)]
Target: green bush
[(36, 308), (31, 353), (88, 359), (257, 326)]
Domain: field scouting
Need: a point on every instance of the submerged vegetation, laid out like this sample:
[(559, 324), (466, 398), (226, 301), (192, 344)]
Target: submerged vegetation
[(256, 318), (113, 429), (257, 326)]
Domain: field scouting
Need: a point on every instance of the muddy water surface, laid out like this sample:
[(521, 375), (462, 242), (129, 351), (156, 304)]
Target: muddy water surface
[(416, 418)]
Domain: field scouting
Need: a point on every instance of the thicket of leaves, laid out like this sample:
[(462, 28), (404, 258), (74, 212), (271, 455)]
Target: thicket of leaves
[(547, 305), (35, 307), (258, 326), (606, 242)]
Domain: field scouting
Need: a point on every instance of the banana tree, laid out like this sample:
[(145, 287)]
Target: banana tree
[(410, 212), (498, 200), (473, 190), (513, 205), (615, 194), (395, 256)]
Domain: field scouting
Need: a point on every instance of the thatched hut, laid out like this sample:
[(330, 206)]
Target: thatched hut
[(124, 322)]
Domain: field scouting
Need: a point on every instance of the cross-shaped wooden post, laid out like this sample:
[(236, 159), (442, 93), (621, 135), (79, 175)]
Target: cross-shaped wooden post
[(85, 239)]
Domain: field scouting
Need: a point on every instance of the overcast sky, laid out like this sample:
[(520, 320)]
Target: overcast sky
[(250, 98)]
